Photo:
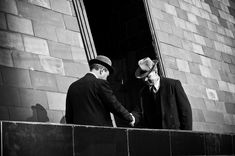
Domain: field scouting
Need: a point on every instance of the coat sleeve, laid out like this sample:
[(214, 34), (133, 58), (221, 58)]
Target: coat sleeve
[(184, 108), (109, 99)]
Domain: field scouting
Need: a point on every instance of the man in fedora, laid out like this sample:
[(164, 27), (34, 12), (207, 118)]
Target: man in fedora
[(90, 99), (163, 102)]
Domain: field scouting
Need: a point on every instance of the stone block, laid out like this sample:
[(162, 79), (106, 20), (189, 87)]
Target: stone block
[(197, 102), (194, 68), (168, 18), (223, 86), (31, 98), (157, 14), (5, 57), (232, 68), (157, 4), (224, 76), (182, 65), (63, 83), (51, 64), (59, 50), (79, 54), (194, 79), (206, 61), (55, 116), (16, 77), (198, 115), (56, 101), (71, 23), (184, 6), (191, 27), (195, 91), (179, 23), (38, 138), (197, 48), (163, 37), (205, 71), (177, 31), (206, 7), (215, 106), (187, 45), (205, 14), (26, 60), (4, 113), (170, 62), (211, 94), (75, 69), (212, 53), (220, 30), (40, 14), (69, 37), (210, 83), (45, 31), (42, 3), (231, 87), (202, 22), (3, 24), (11, 40), (165, 27), (43, 81), (230, 108), (189, 36), (213, 117), (8, 6), (195, 58), (231, 77), (192, 18), (179, 75), (21, 114), (175, 41), (186, 146), (6, 95), (170, 9), (182, 14), (36, 45), (195, 11), (62, 6), (18, 24), (199, 39), (209, 43), (228, 119)]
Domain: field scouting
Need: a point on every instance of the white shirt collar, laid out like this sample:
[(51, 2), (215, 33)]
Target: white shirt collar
[(94, 74)]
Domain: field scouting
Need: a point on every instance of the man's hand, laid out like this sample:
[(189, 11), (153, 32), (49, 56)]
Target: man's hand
[(133, 120)]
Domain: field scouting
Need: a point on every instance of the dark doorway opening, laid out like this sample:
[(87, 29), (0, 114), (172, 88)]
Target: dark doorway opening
[(120, 30)]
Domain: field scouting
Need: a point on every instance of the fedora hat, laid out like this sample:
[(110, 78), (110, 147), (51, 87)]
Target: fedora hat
[(104, 61), (146, 65)]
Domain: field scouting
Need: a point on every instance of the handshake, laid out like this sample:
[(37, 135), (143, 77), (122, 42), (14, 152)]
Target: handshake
[(132, 123)]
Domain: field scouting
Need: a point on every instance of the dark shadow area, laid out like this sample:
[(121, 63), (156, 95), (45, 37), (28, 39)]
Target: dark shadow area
[(62, 120), (39, 114), (121, 31)]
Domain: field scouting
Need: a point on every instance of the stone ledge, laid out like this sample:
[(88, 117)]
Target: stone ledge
[(30, 138)]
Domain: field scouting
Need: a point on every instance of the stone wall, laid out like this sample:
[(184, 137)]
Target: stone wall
[(198, 47), (41, 54), (27, 139)]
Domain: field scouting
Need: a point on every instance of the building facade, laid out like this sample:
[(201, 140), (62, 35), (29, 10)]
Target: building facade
[(45, 45)]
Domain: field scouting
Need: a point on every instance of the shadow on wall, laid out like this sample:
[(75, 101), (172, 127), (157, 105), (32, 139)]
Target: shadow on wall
[(62, 120), (39, 114)]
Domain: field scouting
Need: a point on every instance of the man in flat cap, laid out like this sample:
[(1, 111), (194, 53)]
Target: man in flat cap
[(163, 102), (90, 99)]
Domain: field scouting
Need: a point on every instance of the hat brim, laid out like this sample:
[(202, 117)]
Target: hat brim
[(95, 61), (139, 72)]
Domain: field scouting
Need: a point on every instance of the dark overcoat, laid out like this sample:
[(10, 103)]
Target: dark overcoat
[(175, 110), (89, 102)]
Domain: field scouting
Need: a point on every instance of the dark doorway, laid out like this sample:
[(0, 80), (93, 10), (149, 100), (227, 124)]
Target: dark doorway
[(121, 31)]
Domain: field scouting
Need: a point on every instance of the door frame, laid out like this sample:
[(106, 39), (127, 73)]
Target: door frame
[(88, 39)]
